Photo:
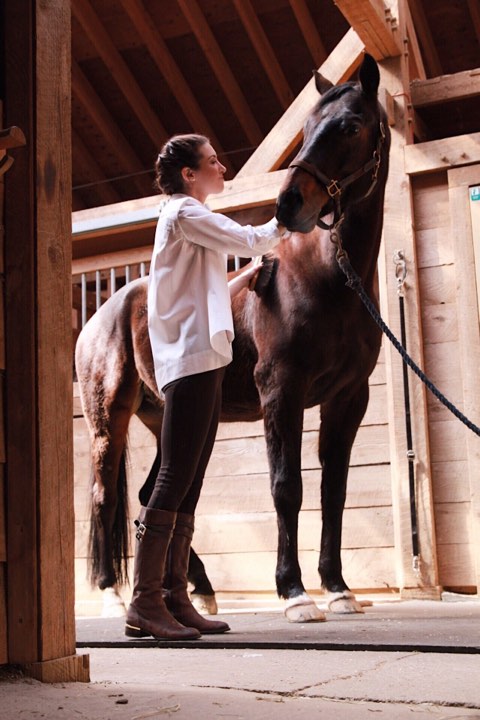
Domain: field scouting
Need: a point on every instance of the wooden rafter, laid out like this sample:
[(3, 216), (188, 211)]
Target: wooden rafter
[(225, 77), (120, 71), (107, 127), (166, 64), (309, 31), (372, 22), (422, 29), (446, 87), (474, 8), (417, 68), (264, 50), (87, 167), (286, 134)]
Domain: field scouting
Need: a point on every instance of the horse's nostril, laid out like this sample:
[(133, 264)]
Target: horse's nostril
[(289, 202)]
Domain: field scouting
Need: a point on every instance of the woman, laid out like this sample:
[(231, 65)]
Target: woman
[(191, 332)]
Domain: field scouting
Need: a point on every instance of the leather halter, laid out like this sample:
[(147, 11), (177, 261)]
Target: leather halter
[(335, 187)]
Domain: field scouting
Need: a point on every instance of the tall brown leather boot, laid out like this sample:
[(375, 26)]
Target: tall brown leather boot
[(147, 614), (176, 596)]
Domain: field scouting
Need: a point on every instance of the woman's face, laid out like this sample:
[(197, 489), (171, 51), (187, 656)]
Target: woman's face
[(208, 178)]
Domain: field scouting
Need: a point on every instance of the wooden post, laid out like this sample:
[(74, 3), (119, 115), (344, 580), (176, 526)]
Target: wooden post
[(398, 235), (40, 538)]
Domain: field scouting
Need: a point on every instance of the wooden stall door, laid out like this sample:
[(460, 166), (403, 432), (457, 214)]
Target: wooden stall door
[(464, 209)]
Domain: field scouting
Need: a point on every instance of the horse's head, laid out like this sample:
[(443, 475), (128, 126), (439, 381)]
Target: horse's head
[(342, 152)]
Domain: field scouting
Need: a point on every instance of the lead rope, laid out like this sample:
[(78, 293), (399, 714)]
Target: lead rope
[(355, 282), (401, 274)]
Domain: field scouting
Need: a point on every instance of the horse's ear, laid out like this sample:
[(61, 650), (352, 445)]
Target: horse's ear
[(369, 76), (321, 83)]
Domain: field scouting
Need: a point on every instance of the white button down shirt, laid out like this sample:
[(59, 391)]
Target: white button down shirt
[(189, 310)]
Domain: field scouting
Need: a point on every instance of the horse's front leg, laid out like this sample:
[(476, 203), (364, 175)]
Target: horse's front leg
[(283, 418), (339, 424)]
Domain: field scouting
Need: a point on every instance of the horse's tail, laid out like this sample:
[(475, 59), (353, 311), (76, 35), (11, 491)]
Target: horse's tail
[(120, 532)]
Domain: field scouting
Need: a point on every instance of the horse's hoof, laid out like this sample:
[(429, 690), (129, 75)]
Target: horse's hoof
[(344, 603), (204, 604), (113, 605), (302, 609)]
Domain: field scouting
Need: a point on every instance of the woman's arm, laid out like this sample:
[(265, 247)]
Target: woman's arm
[(244, 279), (218, 232)]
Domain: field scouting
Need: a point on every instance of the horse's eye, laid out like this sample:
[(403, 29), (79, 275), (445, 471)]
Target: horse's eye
[(352, 129)]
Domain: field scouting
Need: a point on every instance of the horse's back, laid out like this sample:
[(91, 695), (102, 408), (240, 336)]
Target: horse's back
[(108, 345)]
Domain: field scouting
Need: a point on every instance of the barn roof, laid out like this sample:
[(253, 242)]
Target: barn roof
[(143, 70)]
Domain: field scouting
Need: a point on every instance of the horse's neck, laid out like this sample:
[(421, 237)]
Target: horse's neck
[(360, 238)]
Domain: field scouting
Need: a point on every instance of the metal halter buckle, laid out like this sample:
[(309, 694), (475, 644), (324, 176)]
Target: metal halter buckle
[(141, 530), (334, 188)]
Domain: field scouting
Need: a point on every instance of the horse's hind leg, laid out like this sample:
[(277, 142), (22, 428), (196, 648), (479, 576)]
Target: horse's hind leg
[(339, 424)]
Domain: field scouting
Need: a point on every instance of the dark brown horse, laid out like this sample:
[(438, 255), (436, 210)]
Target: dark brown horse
[(307, 341)]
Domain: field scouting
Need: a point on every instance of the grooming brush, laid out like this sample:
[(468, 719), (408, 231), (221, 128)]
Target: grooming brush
[(260, 282)]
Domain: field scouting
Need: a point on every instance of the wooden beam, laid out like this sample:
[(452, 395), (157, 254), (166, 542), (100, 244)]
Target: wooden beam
[(53, 336), (388, 104), (220, 67), (40, 545), (287, 132), (310, 33), (417, 66), (441, 89), (119, 70), (425, 39), (474, 8), (373, 24), (11, 137), (73, 668), (239, 193), (108, 128), (398, 234), (20, 405), (264, 50), (167, 66), (85, 166), (246, 192), (105, 261), (442, 154)]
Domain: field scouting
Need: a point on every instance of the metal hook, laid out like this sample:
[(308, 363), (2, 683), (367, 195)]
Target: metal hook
[(400, 269)]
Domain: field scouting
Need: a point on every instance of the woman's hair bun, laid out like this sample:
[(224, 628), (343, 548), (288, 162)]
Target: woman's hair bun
[(178, 152)]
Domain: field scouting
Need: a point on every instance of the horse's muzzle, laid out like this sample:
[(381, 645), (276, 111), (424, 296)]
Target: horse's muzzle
[(289, 205)]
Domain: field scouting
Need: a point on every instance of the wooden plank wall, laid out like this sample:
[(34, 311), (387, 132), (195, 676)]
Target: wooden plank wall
[(236, 524), (3, 546), (440, 313)]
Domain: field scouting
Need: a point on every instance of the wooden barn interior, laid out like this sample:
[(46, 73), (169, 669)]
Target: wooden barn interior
[(89, 92)]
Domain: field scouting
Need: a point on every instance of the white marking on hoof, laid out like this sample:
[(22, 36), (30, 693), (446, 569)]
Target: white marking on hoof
[(204, 604), (113, 605), (301, 609), (344, 603)]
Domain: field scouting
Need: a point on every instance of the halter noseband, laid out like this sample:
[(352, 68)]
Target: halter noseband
[(335, 187)]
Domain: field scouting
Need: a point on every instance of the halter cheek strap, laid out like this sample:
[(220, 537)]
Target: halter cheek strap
[(335, 187)]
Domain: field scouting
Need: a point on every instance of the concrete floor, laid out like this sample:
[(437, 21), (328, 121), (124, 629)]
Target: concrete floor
[(409, 659)]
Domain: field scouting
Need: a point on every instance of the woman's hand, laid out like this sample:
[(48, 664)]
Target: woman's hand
[(246, 278)]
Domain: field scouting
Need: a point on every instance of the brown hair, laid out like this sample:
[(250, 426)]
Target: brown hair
[(178, 152)]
